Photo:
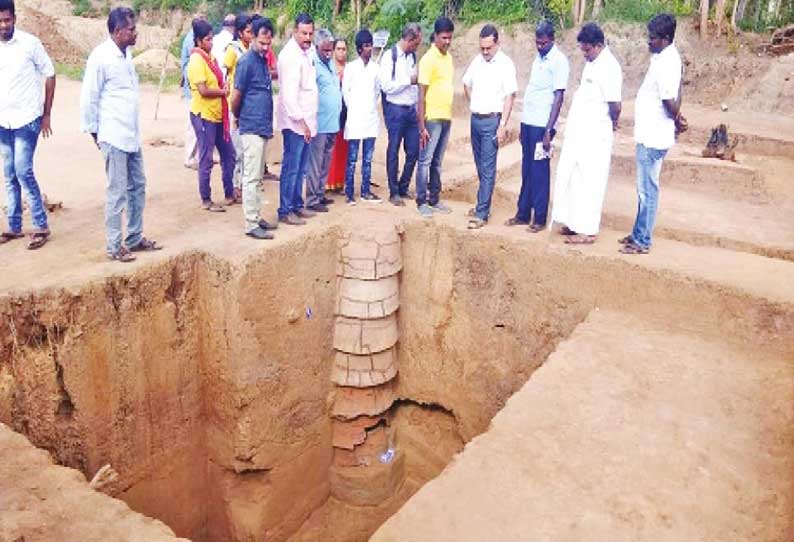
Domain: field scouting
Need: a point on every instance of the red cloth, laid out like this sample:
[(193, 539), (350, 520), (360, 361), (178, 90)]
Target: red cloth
[(336, 171), (216, 71), (270, 56)]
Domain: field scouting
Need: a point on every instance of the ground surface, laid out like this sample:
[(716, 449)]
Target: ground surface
[(632, 430), (50, 503)]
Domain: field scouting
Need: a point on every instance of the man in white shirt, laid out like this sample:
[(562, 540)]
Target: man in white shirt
[(109, 112), (223, 38), (586, 156), (657, 121), (361, 90), (23, 64), (490, 86), (398, 78), (543, 100)]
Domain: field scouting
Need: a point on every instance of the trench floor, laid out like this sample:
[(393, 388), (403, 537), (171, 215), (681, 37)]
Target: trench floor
[(631, 431)]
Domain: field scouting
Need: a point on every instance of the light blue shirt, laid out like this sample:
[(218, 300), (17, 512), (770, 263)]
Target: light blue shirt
[(330, 91), (109, 98), (548, 74), (187, 46)]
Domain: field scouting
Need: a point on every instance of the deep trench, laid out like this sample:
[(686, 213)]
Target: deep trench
[(207, 388)]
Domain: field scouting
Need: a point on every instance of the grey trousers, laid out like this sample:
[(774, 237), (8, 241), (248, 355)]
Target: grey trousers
[(317, 171)]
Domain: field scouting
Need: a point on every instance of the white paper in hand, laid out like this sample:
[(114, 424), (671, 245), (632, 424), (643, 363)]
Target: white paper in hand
[(540, 153)]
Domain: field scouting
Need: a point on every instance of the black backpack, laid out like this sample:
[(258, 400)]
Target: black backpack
[(393, 71)]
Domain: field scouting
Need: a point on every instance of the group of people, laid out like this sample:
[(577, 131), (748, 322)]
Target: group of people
[(328, 111)]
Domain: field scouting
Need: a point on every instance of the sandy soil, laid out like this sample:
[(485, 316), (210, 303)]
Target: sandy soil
[(632, 430)]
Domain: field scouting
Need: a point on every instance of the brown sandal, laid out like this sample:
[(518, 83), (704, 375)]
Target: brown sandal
[(628, 240), (38, 240), (578, 239), (565, 230), (7, 236), (632, 248), (515, 222), (146, 245)]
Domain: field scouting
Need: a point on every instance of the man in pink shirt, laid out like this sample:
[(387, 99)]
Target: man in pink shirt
[(297, 117)]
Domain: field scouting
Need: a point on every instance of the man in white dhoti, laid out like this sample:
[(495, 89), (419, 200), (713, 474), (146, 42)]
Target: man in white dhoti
[(583, 169)]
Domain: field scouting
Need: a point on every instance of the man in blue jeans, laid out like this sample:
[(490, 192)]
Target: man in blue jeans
[(657, 112), (398, 78), (297, 118), (361, 89), (543, 99), (23, 63), (490, 85), (109, 112), (434, 116)]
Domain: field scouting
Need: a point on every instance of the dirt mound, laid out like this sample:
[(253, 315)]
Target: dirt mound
[(46, 28), (152, 60), (772, 91)]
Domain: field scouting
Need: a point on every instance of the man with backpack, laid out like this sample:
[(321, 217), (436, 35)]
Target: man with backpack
[(398, 77)]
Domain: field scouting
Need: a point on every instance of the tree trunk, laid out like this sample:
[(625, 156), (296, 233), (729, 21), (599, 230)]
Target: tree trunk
[(582, 10), (733, 14), (575, 11), (704, 19), (337, 7), (596, 8), (719, 15), (358, 14), (741, 10)]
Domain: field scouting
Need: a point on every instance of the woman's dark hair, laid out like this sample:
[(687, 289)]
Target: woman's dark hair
[(591, 34), (118, 18), (443, 24), (201, 29), (363, 37), (262, 23), (240, 24), (663, 25), (8, 5)]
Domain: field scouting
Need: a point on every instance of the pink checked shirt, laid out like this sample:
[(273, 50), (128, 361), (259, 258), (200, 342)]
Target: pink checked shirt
[(298, 97)]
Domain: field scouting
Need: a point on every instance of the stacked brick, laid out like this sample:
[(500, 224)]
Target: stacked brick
[(365, 366)]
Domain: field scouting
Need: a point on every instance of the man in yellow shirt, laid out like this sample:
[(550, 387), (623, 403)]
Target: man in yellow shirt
[(243, 35), (434, 114)]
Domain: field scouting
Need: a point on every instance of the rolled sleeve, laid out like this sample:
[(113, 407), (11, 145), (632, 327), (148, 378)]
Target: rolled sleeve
[(42, 61), (89, 97), (390, 85), (560, 73), (670, 80)]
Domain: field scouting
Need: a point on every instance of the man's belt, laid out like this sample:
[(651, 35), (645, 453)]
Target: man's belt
[(485, 115)]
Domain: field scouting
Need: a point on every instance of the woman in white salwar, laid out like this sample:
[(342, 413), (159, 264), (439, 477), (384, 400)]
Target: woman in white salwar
[(583, 170)]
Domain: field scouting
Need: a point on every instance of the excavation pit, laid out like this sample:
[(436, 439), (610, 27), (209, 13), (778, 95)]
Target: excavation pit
[(211, 392)]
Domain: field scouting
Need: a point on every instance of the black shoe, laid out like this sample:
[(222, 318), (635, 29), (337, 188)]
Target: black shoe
[(371, 198), (259, 233), (319, 208), (327, 201), (408, 195), (305, 213), (397, 201), (265, 225)]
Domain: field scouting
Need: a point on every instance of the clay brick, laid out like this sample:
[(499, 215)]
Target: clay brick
[(350, 403), (370, 254), (366, 453), (365, 336), (350, 433), (367, 299)]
